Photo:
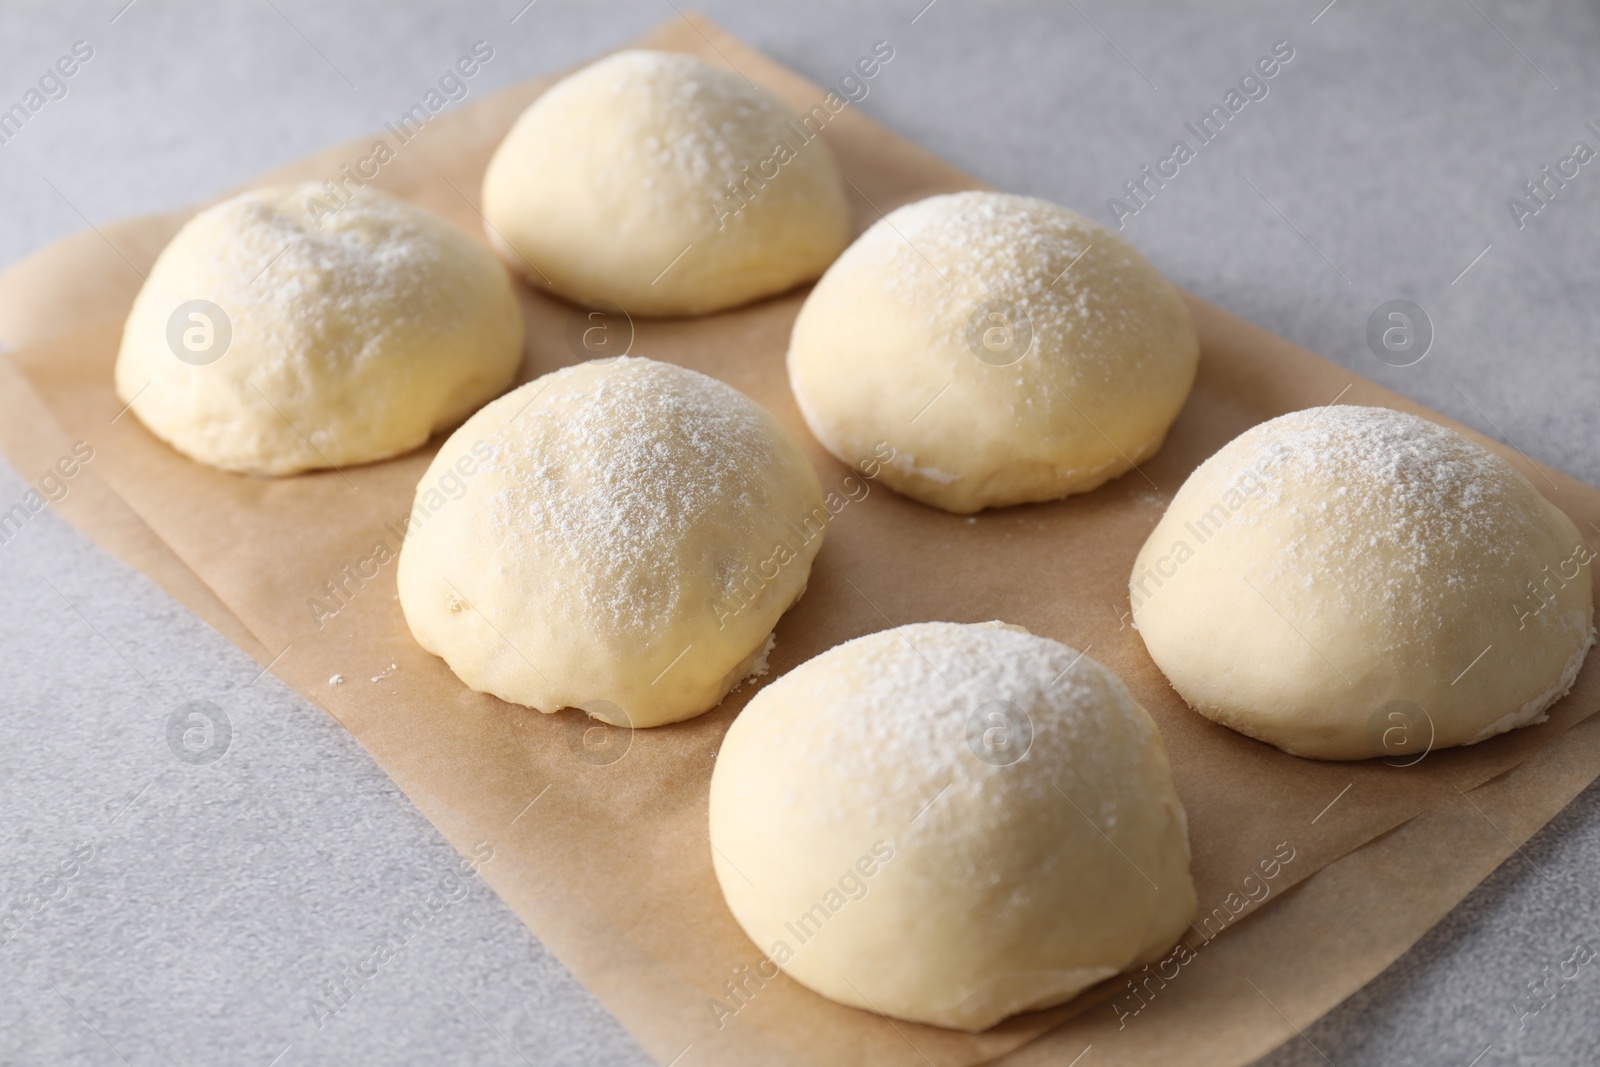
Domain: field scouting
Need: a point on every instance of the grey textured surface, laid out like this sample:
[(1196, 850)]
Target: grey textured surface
[(221, 898)]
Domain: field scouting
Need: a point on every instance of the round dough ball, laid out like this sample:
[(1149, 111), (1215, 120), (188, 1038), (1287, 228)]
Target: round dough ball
[(274, 335), (1349, 582), (1007, 349), (619, 536), (950, 824), (665, 185)]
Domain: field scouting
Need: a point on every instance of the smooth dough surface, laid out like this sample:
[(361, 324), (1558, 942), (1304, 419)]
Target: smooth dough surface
[(619, 536), (926, 822), (348, 336), (664, 185), (1349, 582), (1006, 348)]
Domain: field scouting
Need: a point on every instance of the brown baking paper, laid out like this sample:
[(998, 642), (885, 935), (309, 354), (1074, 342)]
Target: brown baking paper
[(607, 862)]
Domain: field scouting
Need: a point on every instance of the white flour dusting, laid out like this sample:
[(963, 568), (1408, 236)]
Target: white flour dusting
[(624, 478)]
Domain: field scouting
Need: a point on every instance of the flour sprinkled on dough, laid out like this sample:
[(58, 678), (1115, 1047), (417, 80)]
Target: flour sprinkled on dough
[(1009, 350), (630, 535), (352, 336), (1000, 247), (666, 185), (621, 474), (1328, 566), (1016, 800)]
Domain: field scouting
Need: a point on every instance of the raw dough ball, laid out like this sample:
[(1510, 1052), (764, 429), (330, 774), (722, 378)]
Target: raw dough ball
[(950, 823), (645, 157), (1350, 582), (1007, 349), (271, 341), (619, 536)]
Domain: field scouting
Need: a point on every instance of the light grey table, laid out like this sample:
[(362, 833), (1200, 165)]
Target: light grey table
[(218, 901)]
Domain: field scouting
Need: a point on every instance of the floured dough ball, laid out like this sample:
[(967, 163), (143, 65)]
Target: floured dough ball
[(665, 185), (1349, 582), (619, 536), (951, 824), (273, 336), (1005, 348)]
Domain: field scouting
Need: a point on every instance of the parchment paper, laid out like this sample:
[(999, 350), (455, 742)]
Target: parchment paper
[(609, 865)]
